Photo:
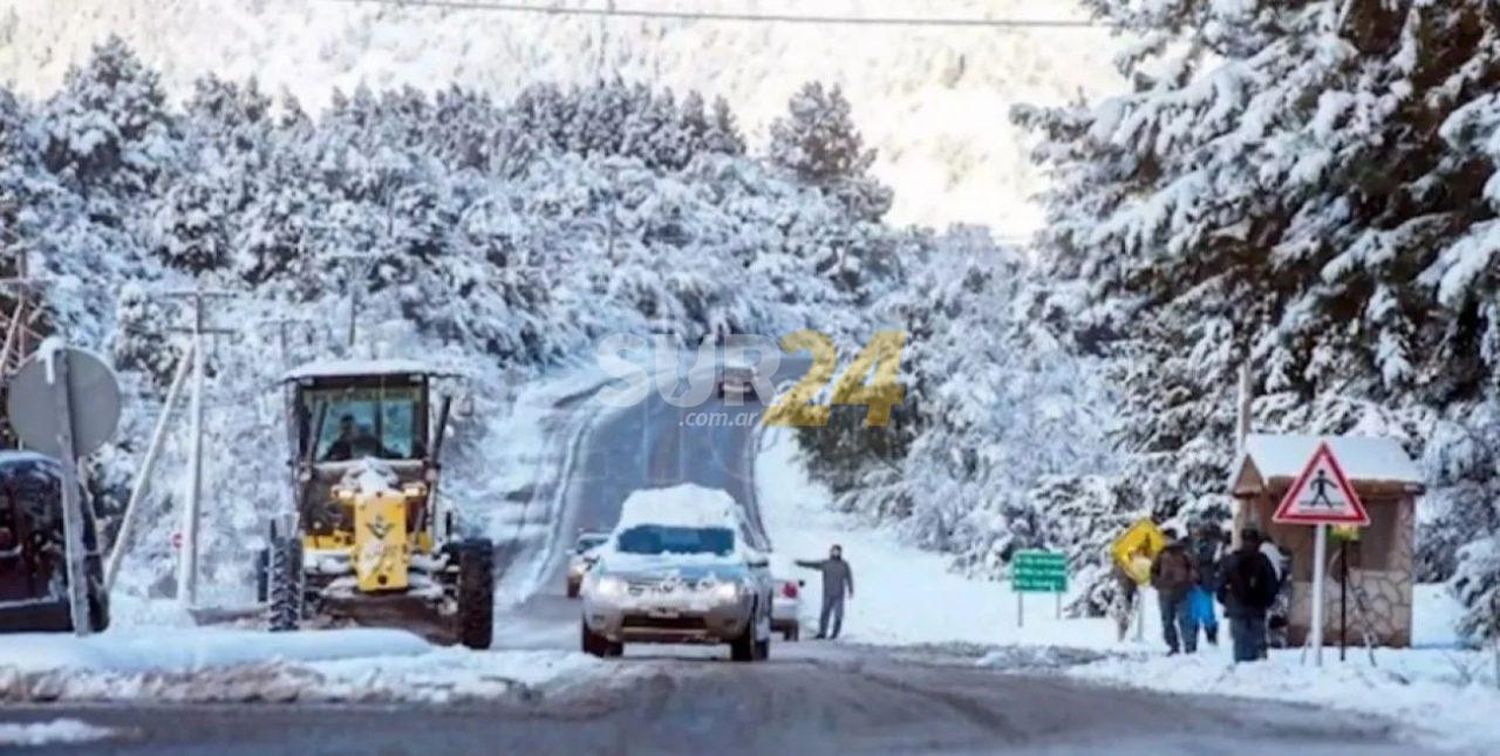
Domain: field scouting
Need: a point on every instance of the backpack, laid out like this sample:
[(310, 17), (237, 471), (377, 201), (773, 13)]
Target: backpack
[(1206, 555), (1250, 583), (1174, 570)]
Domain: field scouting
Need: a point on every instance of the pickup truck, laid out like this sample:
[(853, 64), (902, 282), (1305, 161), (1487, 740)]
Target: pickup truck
[(678, 569)]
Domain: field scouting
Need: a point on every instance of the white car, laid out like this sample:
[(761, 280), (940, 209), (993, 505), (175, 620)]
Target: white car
[(677, 569), (786, 608), (738, 381)]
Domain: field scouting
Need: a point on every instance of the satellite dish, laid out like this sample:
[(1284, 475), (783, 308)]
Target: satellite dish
[(93, 393)]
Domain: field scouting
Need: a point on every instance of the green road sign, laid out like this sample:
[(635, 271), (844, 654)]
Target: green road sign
[(1039, 572)]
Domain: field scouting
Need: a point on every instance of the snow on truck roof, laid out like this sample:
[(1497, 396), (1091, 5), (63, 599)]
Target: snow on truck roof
[(350, 368), (1363, 458), (686, 505)]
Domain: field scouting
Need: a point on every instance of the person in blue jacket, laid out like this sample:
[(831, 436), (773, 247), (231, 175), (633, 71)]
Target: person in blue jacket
[(1207, 549)]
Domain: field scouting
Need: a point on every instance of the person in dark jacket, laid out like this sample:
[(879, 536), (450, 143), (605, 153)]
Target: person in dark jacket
[(1173, 575), (1207, 548), (838, 579), (1248, 589)]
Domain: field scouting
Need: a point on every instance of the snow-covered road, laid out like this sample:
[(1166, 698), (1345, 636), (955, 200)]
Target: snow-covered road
[(810, 698)]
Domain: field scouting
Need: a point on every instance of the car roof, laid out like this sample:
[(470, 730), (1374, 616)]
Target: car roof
[(685, 505)]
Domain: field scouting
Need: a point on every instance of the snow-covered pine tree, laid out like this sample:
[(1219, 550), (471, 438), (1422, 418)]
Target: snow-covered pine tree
[(819, 143), (106, 139), (1305, 185)]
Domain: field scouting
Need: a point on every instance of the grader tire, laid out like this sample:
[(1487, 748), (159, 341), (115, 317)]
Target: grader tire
[(476, 593), (284, 581)]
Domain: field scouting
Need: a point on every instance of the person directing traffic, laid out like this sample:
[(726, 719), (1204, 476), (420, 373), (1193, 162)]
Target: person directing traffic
[(838, 578)]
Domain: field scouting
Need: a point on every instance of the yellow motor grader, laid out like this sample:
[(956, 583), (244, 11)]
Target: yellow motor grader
[(370, 540)]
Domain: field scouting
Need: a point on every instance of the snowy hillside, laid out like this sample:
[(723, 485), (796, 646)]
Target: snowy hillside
[(933, 101)]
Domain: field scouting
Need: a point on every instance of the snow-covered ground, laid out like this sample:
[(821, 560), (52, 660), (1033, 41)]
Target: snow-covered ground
[(55, 732), (1446, 695), (935, 102), (162, 649), (903, 595), (224, 665)]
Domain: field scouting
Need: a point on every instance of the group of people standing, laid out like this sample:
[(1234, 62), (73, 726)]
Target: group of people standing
[(1250, 582)]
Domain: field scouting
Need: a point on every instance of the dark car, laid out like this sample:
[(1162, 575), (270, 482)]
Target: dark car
[(33, 570)]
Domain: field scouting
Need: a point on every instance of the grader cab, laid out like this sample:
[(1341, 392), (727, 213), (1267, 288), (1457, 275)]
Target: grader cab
[(370, 540)]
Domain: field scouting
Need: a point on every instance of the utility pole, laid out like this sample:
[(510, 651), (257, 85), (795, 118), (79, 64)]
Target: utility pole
[(18, 331), (187, 565), (143, 476), (283, 336), (357, 271), (1242, 418)]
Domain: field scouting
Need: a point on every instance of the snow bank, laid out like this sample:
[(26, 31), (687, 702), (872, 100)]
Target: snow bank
[(449, 675), (52, 733), (1444, 694), (442, 676), (163, 649), (1447, 698)]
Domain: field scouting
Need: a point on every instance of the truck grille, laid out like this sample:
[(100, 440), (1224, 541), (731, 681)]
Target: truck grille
[(664, 623)]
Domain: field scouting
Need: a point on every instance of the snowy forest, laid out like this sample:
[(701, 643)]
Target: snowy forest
[(1310, 187), (505, 240)]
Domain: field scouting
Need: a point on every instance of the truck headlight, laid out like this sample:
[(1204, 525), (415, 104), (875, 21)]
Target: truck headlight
[(609, 587), (726, 592)]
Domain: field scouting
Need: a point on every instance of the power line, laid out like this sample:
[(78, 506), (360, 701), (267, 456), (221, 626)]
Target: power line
[(662, 15)]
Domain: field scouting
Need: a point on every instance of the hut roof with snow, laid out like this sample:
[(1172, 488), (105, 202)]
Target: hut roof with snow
[(1275, 461)]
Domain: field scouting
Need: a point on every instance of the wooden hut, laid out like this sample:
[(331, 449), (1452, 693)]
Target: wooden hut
[(1380, 562)]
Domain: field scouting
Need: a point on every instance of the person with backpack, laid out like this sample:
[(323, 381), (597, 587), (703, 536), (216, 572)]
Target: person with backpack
[(1281, 607), (1207, 548), (1247, 591), (1173, 575)]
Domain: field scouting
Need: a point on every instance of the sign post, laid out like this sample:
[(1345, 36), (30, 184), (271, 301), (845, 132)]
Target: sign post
[(1321, 497), (1036, 571), (66, 403), (1132, 553)]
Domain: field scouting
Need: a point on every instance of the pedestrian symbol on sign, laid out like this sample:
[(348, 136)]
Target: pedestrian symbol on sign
[(1321, 484), (1322, 494)]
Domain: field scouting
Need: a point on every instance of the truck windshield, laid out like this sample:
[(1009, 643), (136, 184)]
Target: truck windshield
[(666, 539), (367, 422), (589, 543)]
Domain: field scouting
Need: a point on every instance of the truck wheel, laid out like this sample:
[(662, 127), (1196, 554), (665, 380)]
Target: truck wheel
[(595, 644), (284, 583), (748, 647), (792, 634), (476, 593)]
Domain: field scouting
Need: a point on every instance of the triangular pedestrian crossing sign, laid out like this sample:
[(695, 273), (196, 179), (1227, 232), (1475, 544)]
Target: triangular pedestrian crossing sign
[(1322, 494)]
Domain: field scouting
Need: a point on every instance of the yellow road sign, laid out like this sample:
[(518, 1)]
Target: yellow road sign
[(1135, 549)]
